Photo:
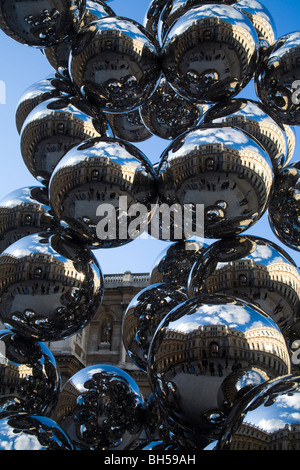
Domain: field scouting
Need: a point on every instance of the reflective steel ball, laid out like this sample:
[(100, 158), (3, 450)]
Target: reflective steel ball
[(254, 269), (221, 171), (53, 128), (30, 378), (25, 431), (23, 212), (50, 288), (262, 21), (206, 354), (167, 115), (98, 187), (129, 126), (252, 117), (210, 53), (174, 9), (37, 93), (284, 206), (267, 418), (152, 16), (41, 24), (143, 315), (58, 56), (174, 263), (277, 83), (101, 408), (115, 64)]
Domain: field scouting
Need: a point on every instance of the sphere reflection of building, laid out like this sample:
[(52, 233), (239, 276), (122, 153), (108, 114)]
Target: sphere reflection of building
[(223, 64)]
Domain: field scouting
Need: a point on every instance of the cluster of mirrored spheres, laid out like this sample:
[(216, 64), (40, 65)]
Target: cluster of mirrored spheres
[(116, 83)]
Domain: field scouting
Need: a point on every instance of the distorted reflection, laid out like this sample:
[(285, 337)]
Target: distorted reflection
[(23, 212), (212, 163), (167, 115), (50, 288), (143, 315), (23, 431), (267, 418), (114, 62), (95, 174), (284, 206), (174, 263), (58, 56), (277, 79), (29, 378), (253, 117), (253, 269), (43, 23), (100, 408), (50, 130), (206, 354), (210, 53)]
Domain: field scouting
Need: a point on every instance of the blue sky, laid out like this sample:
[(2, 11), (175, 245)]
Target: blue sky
[(21, 66)]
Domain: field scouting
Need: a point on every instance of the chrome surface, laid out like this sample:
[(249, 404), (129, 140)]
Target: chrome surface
[(23, 212), (276, 80), (252, 117), (100, 408), (54, 127), (28, 432), (90, 180), (253, 269), (143, 315), (115, 64), (269, 413), (222, 169), (50, 288), (30, 380), (284, 206), (206, 354), (210, 53), (43, 23), (167, 115)]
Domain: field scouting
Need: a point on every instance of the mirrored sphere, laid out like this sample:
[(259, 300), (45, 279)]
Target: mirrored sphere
[(276, 81), (50, 130), (284, 206), (152, 15), (50, 288), (23, 212), (252, 117), (210, 53), (58, 56), (37, 93), (41, 24), (101, 408), (254, 269), (113, 80), (143, 315), (267, 418), (174, 263), (98, 187), (291, 141), (24, 431), (129, 126), (30, 381), (220, 171), (205, 354), (174, 9), (262, 21), (167, 115)]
